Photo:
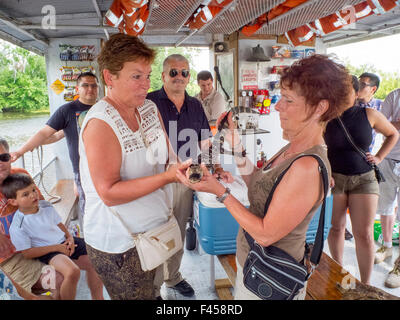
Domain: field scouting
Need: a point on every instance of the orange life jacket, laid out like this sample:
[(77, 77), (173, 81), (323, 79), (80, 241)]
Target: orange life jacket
[(114, 15), (381, 6), (284, 7), (253, 27), (299, 35), (205, 14)]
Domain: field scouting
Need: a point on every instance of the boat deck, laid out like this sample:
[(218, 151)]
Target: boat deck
[(196, 268)]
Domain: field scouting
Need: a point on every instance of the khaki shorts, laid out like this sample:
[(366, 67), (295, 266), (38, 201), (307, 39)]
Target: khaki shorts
[(26, 272), (389, 190), (364, 183)]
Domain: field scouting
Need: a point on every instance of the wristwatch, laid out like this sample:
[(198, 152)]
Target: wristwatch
[(224, 196)]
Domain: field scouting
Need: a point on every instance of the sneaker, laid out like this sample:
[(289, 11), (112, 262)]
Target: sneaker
[(382, 253), (393, 278), (184, 288), (347, 235)]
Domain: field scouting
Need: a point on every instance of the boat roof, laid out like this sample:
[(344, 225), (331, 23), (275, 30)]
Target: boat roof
[(21, 21)]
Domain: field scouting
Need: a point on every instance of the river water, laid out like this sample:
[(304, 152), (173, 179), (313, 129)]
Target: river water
[(17, 128)]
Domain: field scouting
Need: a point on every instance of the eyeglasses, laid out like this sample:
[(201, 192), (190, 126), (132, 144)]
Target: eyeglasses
[(363, 85), (5, 157), (87, 85), (173, 73)]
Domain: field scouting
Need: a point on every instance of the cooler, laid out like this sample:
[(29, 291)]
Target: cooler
[(313, 226), (216, 228)]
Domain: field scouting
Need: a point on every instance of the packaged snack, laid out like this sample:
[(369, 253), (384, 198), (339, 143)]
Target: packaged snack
[(66, 73)]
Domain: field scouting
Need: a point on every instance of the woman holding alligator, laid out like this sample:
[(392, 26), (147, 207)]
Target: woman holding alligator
[(314, 91)]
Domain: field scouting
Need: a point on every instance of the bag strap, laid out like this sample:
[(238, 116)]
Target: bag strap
[(319, 238), (350, 139)]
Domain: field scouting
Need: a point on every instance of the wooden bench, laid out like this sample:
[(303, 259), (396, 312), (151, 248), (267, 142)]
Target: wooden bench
[(65, 207), (322, 285)]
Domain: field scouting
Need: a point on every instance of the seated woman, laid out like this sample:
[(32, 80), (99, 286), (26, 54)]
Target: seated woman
[(314, 91), (355, 185), (123, 154)]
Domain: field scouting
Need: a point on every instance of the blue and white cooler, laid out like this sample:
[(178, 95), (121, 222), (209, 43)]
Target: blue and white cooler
[(216, 228)]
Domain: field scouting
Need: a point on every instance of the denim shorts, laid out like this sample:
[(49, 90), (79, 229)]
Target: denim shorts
[(364, 183)]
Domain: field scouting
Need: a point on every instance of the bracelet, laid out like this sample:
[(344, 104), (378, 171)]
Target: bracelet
[(224, 196)]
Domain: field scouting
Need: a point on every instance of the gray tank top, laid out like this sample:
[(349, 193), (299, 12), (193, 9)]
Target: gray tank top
[(259, 187)]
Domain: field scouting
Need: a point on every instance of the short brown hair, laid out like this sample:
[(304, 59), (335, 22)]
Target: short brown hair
[(318, 78), (15, 182), (121, 48)]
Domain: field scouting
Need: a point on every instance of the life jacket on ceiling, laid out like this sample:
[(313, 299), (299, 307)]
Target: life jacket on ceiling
[(205, 14), (363, 10), (128, 15), (299, 35), (135, 22), (284, 7), (382, 6)]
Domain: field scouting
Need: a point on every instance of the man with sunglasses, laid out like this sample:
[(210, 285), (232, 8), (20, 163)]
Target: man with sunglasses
[(66, 121), (26, 274), (369, 85), (213, 102), (187, 127)]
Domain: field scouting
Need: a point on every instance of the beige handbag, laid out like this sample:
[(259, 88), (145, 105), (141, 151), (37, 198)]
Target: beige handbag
[(156, 245), (159, 244)]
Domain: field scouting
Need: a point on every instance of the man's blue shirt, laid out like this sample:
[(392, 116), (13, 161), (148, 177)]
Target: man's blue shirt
[(186, 128)]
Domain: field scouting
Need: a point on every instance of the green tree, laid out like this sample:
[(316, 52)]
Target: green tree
[(389, 80), (23, 83), (161, 54)]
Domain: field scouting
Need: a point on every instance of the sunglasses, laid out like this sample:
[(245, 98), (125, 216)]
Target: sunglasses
[(5, 157), (87, 85), (173, 73), (363, 85)]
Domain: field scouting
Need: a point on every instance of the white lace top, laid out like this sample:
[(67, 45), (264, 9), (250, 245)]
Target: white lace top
[(102, 229)]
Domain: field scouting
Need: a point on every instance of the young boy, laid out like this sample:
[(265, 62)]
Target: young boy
[(37, 231)]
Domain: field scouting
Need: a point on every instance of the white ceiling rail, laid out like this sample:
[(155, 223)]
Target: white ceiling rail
[(371, 33), (68, 27), (208, 23), (23, 44), (10, 23), (96, 7)]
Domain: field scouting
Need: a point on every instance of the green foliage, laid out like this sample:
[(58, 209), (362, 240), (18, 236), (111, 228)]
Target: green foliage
[(157, 68), (389, 80), (23, 84)]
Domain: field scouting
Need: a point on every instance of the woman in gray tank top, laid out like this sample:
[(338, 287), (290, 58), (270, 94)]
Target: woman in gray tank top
[(314, 91)]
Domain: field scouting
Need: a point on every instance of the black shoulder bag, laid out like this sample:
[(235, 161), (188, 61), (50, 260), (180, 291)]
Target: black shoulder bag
[(378, 174), (270, 272)]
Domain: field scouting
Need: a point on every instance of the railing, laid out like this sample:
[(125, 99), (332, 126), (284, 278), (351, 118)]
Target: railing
[(43, 175)]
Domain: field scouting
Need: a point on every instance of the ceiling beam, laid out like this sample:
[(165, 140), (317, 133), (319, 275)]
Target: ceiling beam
[(384, 31), (96, 7), (67, 27), (12, 24), (23, 44)]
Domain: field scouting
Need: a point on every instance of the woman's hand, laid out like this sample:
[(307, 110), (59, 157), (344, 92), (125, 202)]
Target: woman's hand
[(173, 168), (207, 184), (373, 159), (226, 176)]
